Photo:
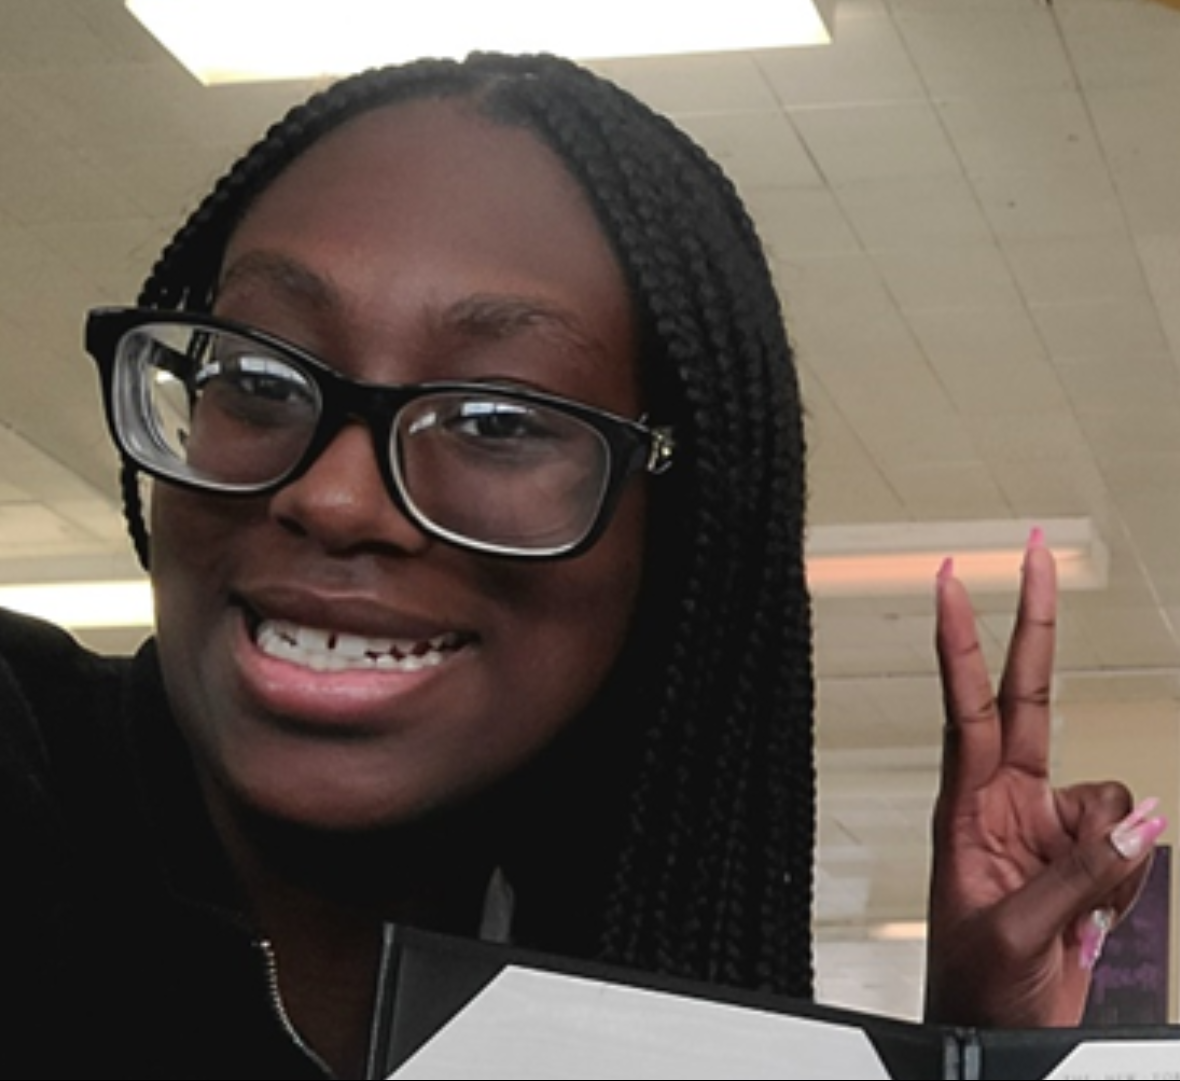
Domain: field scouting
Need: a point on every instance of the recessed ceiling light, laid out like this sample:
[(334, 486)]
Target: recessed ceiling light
[(253, 40)]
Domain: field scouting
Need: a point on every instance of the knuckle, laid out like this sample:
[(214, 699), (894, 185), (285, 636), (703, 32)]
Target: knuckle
[(1104, 802), (1039, 695), (980, 709), (1115, 798)]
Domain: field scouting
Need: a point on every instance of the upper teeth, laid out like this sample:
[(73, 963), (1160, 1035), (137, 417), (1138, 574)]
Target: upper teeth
[(335, 650)]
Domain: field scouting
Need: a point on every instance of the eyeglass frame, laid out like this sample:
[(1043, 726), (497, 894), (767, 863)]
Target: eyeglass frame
[(632, 445)]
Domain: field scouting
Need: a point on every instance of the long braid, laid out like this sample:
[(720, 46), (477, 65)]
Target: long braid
[(712, 877), (661, 909), (657, 909), (716, 864)]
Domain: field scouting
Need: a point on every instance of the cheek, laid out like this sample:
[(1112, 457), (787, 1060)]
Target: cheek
[(196, 530), (174, 526), (572, 617), (189, 544), (193, 541)]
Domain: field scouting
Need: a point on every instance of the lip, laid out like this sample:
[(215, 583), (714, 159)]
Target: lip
[(353, 697), (343, 612)]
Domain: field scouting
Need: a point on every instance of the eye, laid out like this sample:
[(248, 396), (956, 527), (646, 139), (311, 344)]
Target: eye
[(259, 377), (499, 421), (492, 431), (256, 390), (476, 431)]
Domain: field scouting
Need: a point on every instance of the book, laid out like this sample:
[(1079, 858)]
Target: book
[(454, 1008)]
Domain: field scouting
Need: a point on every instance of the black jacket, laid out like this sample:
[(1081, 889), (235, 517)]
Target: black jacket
[(120, 952)]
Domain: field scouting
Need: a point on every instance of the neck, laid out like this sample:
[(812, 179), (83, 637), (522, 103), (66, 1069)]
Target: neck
[(320, 900)]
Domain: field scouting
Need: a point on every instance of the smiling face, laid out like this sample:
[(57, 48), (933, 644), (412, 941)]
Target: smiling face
[(417, 242)]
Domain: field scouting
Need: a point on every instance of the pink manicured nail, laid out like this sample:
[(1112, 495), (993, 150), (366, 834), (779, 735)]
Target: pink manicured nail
[(1138, 831), (1036, 539), (947, 569), (1092, 936)]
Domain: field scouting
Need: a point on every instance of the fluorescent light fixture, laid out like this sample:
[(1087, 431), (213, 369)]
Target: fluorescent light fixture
[(222, 41), (83, 605), (898, 931), (904, 558), (842, 561)]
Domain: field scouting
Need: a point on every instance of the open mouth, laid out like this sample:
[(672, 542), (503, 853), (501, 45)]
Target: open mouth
[(337, 651)]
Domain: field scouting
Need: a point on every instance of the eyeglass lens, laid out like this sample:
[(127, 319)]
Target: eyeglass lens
[(222, 411)]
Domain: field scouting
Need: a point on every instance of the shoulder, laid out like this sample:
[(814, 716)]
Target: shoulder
[(45, 670), (61, 708), (66, 761), (26, 639)]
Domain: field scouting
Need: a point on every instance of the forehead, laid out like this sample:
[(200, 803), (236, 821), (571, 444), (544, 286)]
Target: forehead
[(434, 188)]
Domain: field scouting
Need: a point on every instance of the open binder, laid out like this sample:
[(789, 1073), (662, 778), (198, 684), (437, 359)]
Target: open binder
[(451, 1008)]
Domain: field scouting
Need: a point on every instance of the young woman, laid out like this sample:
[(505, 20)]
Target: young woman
[(475, 521)]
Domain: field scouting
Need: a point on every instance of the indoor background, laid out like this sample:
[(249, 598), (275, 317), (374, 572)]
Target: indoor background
[(973, 210)]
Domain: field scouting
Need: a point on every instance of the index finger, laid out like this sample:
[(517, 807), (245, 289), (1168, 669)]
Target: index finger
[(1026, 684)]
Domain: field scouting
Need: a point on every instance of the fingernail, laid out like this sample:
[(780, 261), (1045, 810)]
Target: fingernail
[(1092, 936), (1036, 537), (947, 569), (1138, 831)]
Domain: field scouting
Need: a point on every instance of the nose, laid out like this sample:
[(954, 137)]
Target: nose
[(341, 500)]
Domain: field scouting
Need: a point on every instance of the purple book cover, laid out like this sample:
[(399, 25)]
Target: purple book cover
[(1130, 984)]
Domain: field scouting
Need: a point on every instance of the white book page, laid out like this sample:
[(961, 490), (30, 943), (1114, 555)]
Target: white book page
[(1124, 1060), (532, 1024)]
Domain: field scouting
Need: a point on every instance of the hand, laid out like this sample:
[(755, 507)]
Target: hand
[(1026, 878)]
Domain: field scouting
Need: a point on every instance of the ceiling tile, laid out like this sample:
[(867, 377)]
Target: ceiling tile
[(985, 48), (876, 142)]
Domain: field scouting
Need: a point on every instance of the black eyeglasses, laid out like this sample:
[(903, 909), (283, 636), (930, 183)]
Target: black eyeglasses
[(222, 408)]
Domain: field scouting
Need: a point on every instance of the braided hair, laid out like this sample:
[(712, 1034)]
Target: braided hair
[(679, 836)]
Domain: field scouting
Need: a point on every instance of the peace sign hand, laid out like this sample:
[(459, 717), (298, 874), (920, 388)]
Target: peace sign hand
[(1026, 878)]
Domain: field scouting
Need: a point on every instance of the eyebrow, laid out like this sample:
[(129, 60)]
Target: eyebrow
[(291, 278), (482, 316), (487, 316), (496, 316)]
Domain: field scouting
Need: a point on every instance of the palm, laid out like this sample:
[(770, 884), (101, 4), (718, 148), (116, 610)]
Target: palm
[(1011, 832)]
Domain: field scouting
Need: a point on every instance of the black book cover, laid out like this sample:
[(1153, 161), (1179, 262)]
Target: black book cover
[(1150, 1052), (594, 1019)]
